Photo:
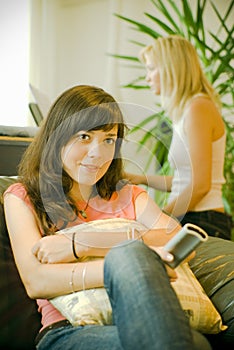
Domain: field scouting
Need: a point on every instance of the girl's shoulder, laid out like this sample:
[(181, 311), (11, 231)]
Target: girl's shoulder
[(18, 190), (131, 190)]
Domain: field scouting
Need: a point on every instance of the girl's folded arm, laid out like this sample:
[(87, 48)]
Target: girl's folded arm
[(44, 280)]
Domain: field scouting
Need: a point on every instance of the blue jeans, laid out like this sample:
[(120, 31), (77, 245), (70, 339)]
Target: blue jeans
[(215, 223), (146, 311)]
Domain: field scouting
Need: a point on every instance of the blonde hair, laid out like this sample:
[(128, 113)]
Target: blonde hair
[(181, 74)]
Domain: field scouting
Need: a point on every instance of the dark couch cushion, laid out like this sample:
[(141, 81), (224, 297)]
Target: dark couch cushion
[(214, 268), (19, 318), (11, 152), (14, 140)]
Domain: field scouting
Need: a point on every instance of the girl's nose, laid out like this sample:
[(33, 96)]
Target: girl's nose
[(95, 149)]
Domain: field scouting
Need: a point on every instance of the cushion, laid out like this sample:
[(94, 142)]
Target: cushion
[(19, 318), (201, 312), (93, 307), (213, 266)]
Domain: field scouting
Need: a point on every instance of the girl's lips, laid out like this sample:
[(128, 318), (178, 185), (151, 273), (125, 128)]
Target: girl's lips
[(91, 168)]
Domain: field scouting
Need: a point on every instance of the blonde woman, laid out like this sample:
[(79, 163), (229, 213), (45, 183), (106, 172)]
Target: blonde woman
[(197, 149)]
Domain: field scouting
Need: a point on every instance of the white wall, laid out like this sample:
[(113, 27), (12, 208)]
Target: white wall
[(69, 43), (14, 61), (71, 40)]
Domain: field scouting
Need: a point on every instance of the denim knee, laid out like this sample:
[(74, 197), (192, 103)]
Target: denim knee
[(121, 258), (129, 263)]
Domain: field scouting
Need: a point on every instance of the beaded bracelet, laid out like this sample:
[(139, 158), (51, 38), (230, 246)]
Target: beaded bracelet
[(72, 278), (73, 246)]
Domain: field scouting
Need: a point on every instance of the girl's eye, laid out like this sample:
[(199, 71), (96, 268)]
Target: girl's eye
[(83, 137), (110, 141)]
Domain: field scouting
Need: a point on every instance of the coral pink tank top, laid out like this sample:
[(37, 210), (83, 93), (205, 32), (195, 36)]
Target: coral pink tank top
[(121, 205)]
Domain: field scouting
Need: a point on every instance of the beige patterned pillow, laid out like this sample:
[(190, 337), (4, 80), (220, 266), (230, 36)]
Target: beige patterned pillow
[(201, 312), (93, 306), (88, 307)]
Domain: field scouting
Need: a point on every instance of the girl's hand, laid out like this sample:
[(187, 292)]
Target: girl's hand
[(165, 256), (54, 249), (134, 178)]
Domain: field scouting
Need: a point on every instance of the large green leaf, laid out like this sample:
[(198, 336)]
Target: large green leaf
[(140, 26), (162, 24)]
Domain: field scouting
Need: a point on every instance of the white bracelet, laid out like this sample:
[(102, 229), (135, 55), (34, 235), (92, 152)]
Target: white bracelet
[(128, 233), (83, 276), (72, 278)]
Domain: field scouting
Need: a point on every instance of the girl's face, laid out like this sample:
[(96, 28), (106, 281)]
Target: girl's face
[(88, 155), (152, 76)]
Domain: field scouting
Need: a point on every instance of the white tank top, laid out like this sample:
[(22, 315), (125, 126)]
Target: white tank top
[(180, 162)]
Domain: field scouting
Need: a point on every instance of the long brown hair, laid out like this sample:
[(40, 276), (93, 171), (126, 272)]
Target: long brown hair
[(82, 107)]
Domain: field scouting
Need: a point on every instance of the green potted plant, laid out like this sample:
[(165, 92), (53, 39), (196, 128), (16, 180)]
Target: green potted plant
[(216, 56)]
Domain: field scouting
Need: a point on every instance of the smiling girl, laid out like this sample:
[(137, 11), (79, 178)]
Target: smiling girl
[(73, 173)]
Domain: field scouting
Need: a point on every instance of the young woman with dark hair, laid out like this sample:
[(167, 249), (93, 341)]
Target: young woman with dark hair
[(72, 173)]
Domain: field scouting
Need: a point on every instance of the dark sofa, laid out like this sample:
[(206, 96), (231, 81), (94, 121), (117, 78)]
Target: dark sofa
[(20, 321), (13, 142)]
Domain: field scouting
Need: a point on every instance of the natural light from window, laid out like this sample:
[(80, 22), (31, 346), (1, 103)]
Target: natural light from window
[(14, 62)]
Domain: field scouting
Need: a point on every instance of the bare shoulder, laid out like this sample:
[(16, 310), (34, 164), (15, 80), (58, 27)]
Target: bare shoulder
[(201, 102), (203, 113)]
